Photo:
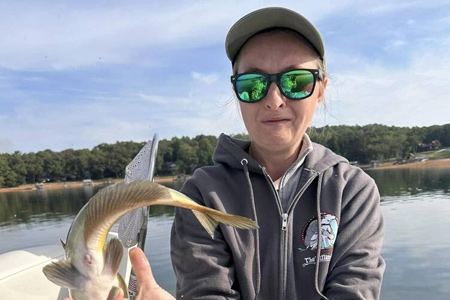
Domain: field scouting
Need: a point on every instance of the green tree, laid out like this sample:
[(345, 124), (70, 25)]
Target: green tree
[(18, 166), (4, 169), (97, 163), (241, 136), (53, 164), (70, 164), (187, 158), (83, 161), (164, 157), (360, 143), (118, 156), (35, 167), (205, 149)]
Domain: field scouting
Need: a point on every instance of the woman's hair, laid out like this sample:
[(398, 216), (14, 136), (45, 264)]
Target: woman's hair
[(320, 63)]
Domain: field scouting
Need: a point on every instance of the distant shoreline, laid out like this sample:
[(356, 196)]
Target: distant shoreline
[(73, 184), (435, 163)]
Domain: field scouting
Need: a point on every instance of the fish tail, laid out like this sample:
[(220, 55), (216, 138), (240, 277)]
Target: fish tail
[(210, 218)]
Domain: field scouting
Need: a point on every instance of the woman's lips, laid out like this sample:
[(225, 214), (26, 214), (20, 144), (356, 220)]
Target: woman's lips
[(276, 121)]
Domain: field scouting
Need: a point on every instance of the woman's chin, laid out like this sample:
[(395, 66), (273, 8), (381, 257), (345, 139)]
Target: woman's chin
[(277, 142)]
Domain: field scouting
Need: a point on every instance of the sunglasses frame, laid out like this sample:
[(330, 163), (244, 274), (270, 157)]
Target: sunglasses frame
[(317, 74)]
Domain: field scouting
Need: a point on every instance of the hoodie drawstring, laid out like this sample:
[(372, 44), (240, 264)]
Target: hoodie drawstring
[(319, 238), (244, 163)]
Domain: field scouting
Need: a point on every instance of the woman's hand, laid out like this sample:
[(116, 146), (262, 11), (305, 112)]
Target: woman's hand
[(148, 288)]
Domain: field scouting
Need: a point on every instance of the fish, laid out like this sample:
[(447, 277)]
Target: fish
[(90, 267)]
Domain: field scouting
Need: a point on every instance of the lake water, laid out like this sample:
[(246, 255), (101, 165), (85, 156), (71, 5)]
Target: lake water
[(415, 204)]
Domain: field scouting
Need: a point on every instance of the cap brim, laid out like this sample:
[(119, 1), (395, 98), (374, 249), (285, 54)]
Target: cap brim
[(271, 17)]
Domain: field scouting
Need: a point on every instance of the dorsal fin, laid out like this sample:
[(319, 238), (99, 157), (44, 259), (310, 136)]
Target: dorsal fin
[(63, 244)]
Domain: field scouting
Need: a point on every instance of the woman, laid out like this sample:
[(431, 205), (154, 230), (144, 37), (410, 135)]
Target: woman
[(320, 227)]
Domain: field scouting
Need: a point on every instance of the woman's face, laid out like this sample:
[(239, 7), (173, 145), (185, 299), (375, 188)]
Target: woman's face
[(276, 123)]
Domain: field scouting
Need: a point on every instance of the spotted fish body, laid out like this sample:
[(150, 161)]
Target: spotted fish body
[(90, 267)]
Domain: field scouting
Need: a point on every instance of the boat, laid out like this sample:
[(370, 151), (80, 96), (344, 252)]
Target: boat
[(87, 182), (21, 276)]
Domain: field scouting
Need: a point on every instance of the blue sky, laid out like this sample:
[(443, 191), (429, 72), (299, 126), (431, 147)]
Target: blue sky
[(80, 73)]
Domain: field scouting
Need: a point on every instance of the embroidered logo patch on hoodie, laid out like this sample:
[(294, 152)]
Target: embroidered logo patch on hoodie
[(310, 234)]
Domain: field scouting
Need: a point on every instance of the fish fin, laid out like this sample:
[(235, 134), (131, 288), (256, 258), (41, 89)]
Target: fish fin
[(207, 222), (210, 218), (64, 274), (122, 285), (63, 244), (113, 257), (115, 291)]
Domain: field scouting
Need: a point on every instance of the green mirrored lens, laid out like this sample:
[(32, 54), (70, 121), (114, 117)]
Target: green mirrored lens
[(297, 84), (251, 87)]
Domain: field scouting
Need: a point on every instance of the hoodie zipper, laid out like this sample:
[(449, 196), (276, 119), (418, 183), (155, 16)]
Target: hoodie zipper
[(284, 217), (284, 221)]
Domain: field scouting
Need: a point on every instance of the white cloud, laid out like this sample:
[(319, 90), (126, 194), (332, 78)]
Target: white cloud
[(416, 95), (43, 36), (394, 45), (384, 8), (376, 7), (49, 36), (206, 78), (411, 22), (120, 130), (59, 126), (151, 98)]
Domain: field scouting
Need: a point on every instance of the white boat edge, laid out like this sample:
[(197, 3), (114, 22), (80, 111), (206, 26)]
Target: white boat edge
[(21, 275)]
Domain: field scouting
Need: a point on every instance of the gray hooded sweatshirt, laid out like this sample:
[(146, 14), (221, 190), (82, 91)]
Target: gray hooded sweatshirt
[(279, 260)]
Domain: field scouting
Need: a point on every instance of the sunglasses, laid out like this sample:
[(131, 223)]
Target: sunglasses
[(295, 84)]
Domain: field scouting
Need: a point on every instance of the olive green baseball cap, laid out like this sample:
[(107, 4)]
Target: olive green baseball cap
[(271, 17)]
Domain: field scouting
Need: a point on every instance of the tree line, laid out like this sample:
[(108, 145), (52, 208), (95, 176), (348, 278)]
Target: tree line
[(183, 155)]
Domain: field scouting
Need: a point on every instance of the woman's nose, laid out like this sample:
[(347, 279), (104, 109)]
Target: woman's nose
[(274, 99)]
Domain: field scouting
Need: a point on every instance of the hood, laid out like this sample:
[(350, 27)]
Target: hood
[(230, 151)]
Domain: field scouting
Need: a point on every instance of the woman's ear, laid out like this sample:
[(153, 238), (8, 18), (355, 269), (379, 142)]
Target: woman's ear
[(322, 87)]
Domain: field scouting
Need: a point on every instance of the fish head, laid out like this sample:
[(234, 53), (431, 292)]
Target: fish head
[(83, 270), (100, 271), (89, 274)]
